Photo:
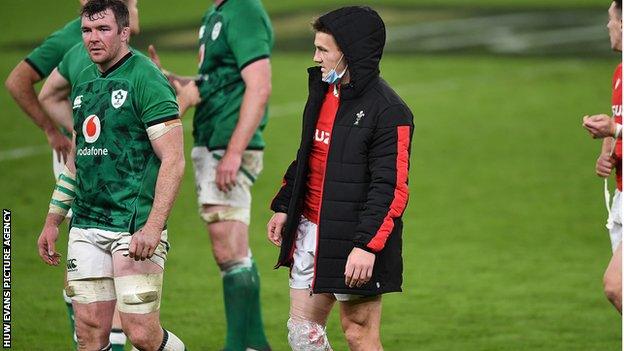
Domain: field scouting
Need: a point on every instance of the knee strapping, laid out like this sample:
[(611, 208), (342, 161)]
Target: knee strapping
[(305, 335), (91, 290), (230, 214), (139, 293)]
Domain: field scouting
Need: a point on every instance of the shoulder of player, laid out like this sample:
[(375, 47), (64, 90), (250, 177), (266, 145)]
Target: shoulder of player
[(139, 63), (74, 25), (392, 109), (71, 29), (240, 9)]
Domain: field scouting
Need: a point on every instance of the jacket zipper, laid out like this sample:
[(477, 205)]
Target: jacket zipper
[(318, 220)]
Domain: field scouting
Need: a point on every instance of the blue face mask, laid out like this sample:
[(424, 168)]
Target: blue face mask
[(332, 76)]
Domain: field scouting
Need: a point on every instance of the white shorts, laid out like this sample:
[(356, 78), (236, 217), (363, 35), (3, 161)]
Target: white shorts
[(90, 252), (302, 272), (614, 222), (205, 164)]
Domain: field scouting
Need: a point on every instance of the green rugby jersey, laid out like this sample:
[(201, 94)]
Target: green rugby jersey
[(50, 53), (74, 61), (77, 59), (116, 167), (233, 35)]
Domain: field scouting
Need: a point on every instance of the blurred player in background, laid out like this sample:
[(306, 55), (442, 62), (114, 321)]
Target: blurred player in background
[(338, 214), (42, 63), (235, 39), (121, 183), (610, 129)]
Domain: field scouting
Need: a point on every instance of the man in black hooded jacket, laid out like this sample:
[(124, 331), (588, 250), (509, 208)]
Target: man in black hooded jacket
[(338, 213)]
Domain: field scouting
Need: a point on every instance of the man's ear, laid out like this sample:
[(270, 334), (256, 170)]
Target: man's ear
[(125, 34)]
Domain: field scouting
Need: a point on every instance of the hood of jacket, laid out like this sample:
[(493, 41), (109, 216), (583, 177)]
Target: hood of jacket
[(360, 33)]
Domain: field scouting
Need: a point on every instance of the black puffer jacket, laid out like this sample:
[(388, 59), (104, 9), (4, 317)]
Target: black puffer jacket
[(365, 185)]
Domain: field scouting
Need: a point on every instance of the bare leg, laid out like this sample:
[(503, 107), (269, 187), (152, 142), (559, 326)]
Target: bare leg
[(308, 317), (361, 320), (143, 329), (613, 279), (93, 324)]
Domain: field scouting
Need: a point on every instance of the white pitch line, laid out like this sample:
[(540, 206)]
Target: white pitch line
[(23, 152)]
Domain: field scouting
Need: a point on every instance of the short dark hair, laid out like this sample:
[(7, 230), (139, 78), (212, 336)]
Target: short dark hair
[(119, 8), (618, 4), (319, 26)]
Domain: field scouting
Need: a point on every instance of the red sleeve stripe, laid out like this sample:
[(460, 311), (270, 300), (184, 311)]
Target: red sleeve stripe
[(401, 191)]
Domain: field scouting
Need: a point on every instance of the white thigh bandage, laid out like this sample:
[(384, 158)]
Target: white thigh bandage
[(230, 214), (139, 293), (305, 335), (91, 290)]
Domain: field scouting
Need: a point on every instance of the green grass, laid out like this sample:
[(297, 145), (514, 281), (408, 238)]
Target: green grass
[(504, 240), (43, 16)]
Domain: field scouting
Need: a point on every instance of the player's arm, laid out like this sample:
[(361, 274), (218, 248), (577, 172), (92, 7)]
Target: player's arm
[(187, 96), (20, 85), (167, 142), (605, 161), (54, 98), (60, 203), (257, 78), (388, 164), (280, 206), (602, 126)]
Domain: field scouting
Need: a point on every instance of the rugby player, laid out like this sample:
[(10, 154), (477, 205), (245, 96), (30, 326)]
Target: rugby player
[(34, 68), (120, 182), (610, 129), (235, 42), (338, 214)]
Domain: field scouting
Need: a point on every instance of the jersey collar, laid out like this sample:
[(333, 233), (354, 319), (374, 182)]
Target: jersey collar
[(116, 65)]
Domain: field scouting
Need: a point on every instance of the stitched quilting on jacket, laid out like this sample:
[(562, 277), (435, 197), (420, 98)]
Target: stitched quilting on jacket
[(365, 186)]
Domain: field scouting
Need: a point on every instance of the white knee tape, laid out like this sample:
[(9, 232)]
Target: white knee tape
[(231, 214), (139, 293), (91, 290), (305, 335)]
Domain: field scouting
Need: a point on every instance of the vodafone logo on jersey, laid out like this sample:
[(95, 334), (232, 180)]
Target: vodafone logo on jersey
[(91, 129)]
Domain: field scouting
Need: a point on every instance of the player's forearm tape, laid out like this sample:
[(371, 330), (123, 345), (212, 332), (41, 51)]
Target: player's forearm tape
[(64, 193), (156, 131), (618, 130)]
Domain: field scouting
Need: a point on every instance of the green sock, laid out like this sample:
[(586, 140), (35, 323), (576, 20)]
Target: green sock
[(70, 314), (237, 286), (256, 339)]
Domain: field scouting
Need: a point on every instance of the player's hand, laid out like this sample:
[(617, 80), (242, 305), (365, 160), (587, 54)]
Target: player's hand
[(359, 267), (599, 126), (275, 227), (151, 50), (227, 170), (143, 243), (61, 144), (188, 94), (46, 245), (604, 165)]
